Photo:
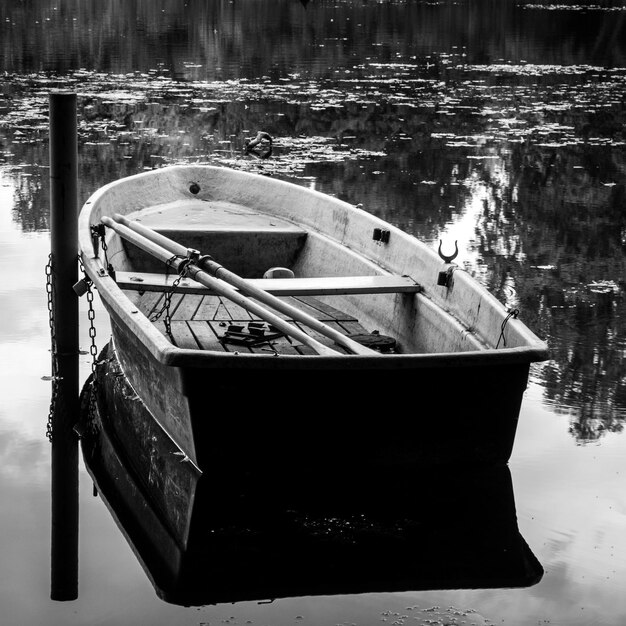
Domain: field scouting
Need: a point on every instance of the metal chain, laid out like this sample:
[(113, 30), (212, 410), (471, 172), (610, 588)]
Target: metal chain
[(56, 401), (167, 298), (93, 348), (103, 245), (98, 237), (91, 316), (55, 393)]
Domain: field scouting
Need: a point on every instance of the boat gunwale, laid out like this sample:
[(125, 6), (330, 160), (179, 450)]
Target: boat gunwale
[(182, 357)]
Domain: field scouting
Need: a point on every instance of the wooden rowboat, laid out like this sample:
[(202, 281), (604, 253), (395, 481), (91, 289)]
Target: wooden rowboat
[(315, 335)]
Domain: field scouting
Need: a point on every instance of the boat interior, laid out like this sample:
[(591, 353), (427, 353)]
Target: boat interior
[(314, 273)]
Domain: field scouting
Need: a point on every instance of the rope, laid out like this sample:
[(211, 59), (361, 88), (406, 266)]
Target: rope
[(513, 313)]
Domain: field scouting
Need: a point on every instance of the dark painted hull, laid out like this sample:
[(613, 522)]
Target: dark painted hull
[(290, 413), (253, 526)]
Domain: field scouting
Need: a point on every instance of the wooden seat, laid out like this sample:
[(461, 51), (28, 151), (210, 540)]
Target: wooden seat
[(316, 286), (242, 238)]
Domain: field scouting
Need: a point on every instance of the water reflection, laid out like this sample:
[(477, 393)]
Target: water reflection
[(255, 533), (200, 40), (534, 198), (500, 123)]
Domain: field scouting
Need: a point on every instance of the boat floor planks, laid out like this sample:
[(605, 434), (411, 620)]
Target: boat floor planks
[(203, 322)]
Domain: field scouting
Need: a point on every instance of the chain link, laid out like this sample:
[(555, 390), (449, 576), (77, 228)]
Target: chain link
[(55, 393), (91, 316), (56, 400), (98, 235), (93, 348), (167, 298)]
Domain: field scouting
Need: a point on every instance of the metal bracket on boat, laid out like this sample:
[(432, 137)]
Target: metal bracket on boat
[(192, 256), (98, 240), (255, 334), (97, 235), (444, 279), (381, 235), (450, 258)]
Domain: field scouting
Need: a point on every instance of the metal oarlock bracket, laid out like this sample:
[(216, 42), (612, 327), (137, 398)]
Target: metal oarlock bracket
[(444, 279), (450, 258), (97, 235)]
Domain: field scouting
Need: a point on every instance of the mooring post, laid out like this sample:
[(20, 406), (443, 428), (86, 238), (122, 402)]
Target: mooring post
[(64, 261)]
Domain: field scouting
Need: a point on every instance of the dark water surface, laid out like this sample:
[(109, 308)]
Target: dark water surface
[(499, 124)]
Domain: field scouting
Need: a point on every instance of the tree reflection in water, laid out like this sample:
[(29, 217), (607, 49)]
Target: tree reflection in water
[(381, 106)]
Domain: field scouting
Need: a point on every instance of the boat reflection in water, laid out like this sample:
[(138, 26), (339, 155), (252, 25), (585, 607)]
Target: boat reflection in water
[(261, 531)]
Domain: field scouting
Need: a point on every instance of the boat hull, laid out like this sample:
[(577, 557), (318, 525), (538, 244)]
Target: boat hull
[(306, 418)]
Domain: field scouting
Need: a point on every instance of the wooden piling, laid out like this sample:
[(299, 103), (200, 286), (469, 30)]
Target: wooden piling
[(64, 250)]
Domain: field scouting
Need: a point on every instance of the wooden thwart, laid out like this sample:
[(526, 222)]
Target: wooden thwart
[(318, 286)]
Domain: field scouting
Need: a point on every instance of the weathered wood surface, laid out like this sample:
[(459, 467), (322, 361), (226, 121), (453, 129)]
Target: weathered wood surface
[(317, 286), (202, 322)]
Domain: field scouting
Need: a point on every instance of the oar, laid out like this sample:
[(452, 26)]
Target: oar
[(245, 287), (220, 287)]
